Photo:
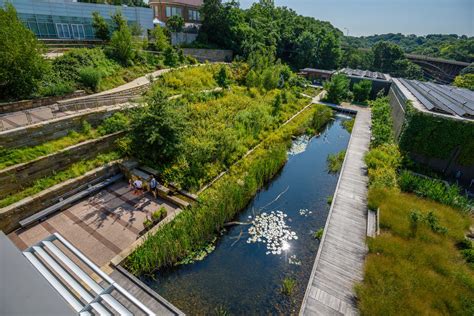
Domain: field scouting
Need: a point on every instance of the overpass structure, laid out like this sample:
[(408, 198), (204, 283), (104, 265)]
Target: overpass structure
[(438, 69)]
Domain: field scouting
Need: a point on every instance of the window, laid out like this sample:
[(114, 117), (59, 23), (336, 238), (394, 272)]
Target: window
[(63, 30), (172, 11), (78, 31), (194, 15)]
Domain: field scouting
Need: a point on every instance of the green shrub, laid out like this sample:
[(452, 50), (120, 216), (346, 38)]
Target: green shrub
[(159, 214), (381, 122), (362, 90), (90, 78), (52, 89), (147, 223), (337, 89), (321, 116), (433, 189), (319, 233), (335, 161), (121, 47), (288, 286), (117, 122), (384, 156), (349, 125)]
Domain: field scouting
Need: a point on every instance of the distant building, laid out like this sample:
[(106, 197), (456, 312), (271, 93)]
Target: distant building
[(187, 9), (68, 19)]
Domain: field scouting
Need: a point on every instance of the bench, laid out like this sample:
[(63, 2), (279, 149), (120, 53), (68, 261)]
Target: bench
[(69, 200)]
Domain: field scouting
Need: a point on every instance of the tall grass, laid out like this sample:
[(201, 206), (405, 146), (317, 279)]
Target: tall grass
[(75, 170), (335, 161), (194, 228), (420, 273)]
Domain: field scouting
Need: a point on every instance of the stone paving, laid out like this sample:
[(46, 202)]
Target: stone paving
[(100, 226)]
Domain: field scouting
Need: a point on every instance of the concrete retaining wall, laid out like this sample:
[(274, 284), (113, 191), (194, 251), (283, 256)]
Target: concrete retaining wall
[(215, 55), (30, 104), (18, 177), (39, 133), (11, 215)]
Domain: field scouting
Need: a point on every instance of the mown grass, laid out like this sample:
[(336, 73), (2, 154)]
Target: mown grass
[(11, 157), (194, 228), (416, 273), (75, 170)]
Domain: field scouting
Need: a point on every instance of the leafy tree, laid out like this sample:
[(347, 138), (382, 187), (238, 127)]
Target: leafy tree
[(119, 21), (222, 77), (361, 90), (175, 23), (465, 81), (21, 63), (157, 130), (171, 57), (337, 89), (160, 40), (385, 56), (121, 46), (406, 69), (101, 28)]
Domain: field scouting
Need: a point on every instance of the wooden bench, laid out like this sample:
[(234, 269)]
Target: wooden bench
[(70, 200)]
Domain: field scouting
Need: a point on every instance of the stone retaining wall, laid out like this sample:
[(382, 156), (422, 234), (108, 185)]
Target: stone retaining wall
[(39, 133), (18, 177), (214, 55), (30, 104), (11, 215), (397, 103)]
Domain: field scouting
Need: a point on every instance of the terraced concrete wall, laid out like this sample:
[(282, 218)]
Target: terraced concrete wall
[(19, 177), (36, 134), (11, 215), (30, 104)]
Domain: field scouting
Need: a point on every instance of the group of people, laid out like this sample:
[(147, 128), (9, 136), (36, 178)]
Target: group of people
[(138, 186)]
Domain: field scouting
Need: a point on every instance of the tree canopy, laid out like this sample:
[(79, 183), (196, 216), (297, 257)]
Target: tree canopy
[(21, 63), (277, 31)]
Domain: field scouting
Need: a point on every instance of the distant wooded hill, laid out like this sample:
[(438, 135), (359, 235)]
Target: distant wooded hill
[(450, 46)]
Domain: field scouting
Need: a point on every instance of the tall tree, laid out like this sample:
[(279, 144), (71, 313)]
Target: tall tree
[(385, 56), (101, 28), (21, 63)]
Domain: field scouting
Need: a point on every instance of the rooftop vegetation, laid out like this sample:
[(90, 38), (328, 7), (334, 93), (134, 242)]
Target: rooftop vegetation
[(420, 262)]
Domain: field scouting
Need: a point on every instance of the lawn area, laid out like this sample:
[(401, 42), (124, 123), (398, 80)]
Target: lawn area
[(416, 271)]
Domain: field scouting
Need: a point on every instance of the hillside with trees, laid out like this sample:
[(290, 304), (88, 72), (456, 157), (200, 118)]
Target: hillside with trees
[(449, 46)]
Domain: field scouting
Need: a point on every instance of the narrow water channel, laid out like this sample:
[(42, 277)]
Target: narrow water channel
[(244, 275)]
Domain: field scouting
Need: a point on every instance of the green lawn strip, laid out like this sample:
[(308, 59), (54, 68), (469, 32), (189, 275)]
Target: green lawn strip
[(194, 228), (75, 170), (11, 157), (416, 270)]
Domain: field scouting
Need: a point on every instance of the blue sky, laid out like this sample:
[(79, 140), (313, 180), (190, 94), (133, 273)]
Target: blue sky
[(367, 17)]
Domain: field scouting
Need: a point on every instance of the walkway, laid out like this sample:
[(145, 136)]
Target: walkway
[(340, 260), (44, 113)]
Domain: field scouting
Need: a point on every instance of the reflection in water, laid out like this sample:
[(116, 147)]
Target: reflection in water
[(239, 277), (299, 145)]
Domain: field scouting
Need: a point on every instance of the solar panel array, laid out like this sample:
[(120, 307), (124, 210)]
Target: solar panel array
[(365, 74), (442, 98)]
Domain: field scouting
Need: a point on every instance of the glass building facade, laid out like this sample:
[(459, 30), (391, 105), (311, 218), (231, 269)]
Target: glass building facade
[(66, 19)]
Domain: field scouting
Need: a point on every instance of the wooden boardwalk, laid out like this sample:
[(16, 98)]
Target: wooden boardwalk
[(340, 260)]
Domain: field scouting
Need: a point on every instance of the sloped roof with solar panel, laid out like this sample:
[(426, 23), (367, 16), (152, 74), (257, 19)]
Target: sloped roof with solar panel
[(442, 98), (365, 74)]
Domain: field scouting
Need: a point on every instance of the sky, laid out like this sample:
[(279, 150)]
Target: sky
[(368, 17)]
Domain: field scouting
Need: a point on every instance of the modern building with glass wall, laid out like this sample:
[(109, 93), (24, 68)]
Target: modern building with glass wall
[(68, 19)]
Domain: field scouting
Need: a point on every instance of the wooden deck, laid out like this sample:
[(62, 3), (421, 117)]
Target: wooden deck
[(340, 260)]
